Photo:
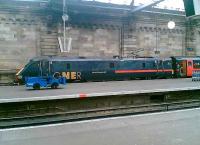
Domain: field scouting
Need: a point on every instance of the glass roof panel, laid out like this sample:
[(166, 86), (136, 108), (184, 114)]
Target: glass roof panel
[(121, 2), (172, 5), (32, 0), (166, 4)]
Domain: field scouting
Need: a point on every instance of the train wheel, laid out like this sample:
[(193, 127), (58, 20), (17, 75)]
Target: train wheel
[(54, 85), (36, 86)]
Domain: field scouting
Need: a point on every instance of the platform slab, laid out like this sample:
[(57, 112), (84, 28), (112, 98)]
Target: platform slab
[(92, 89), (166, 128)]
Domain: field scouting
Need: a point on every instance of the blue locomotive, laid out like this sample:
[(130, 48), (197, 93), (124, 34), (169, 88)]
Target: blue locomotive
[(85, 69)]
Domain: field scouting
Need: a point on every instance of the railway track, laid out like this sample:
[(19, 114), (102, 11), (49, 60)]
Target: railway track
[(41, 116)]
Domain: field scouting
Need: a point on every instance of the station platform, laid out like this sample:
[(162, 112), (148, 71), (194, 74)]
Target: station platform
[(95, 89), (166, 128)]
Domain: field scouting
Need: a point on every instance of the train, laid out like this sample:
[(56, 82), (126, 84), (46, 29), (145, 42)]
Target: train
[(97, 69)]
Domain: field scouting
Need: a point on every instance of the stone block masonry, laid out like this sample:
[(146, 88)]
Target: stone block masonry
[(94, 42), (18, 39)]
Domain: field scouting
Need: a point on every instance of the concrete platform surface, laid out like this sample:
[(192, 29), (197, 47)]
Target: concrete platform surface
[(166, 128), (91, 89)]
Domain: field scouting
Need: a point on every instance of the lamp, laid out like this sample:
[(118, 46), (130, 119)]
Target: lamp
[(171, 24)]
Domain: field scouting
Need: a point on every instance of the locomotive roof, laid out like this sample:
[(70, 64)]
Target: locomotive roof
[(93, 59), (187, 57)]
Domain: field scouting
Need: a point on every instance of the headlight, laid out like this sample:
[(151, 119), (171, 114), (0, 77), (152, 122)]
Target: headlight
[(19, 77)]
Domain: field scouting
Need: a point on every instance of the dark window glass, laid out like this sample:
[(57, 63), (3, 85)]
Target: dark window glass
[(154, 64), (112, 65), (33, 69), (196, 64), (68, 66), (189, 63), (143, 65)]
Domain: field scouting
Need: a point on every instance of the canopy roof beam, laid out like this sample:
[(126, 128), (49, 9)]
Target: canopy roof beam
[(142, 7)]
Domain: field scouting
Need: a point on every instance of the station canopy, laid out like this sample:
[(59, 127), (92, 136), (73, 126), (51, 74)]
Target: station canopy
[(166, 4)]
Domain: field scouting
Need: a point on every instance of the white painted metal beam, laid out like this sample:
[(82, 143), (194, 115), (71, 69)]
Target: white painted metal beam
[(132, 3), (139, 8)]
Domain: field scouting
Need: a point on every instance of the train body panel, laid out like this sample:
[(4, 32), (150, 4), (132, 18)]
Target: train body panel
[(137, 69), (184, 66), (189, 66), (110, 69), (196, 64)]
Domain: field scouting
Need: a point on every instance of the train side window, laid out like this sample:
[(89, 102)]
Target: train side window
[(68, 66), (154, 64), (196, 65), (189, 63), (112, 65), (169, 63), (143, 65)]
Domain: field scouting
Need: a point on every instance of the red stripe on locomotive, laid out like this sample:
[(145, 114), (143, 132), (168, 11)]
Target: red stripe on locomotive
[(142, 71)]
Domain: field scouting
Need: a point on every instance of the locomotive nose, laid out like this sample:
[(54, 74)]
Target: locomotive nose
[(18, 76), (18, 79)]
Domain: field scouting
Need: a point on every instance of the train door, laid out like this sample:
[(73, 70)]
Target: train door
[(183, 68), (74, 69), (111, 71), (45, 68), (159, 68), (167, 68), (99, 70), (68, 69), (189, 68)]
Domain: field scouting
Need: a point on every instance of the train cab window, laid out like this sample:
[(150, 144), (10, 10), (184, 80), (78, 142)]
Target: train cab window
[(68, 66), (154, 64), (167, 63), (112, 65), (196, 64), (143, 65), (33, 68), (189, 63)]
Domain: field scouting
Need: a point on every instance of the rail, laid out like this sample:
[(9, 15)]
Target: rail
[(57, 115)]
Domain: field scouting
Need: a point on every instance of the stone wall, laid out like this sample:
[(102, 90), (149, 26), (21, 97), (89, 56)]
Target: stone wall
[(151, 34), (193, 37), (197, 36), (18, 39), (93, 42)]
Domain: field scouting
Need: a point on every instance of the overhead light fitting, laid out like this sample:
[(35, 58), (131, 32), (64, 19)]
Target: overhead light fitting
[(171, 25)]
